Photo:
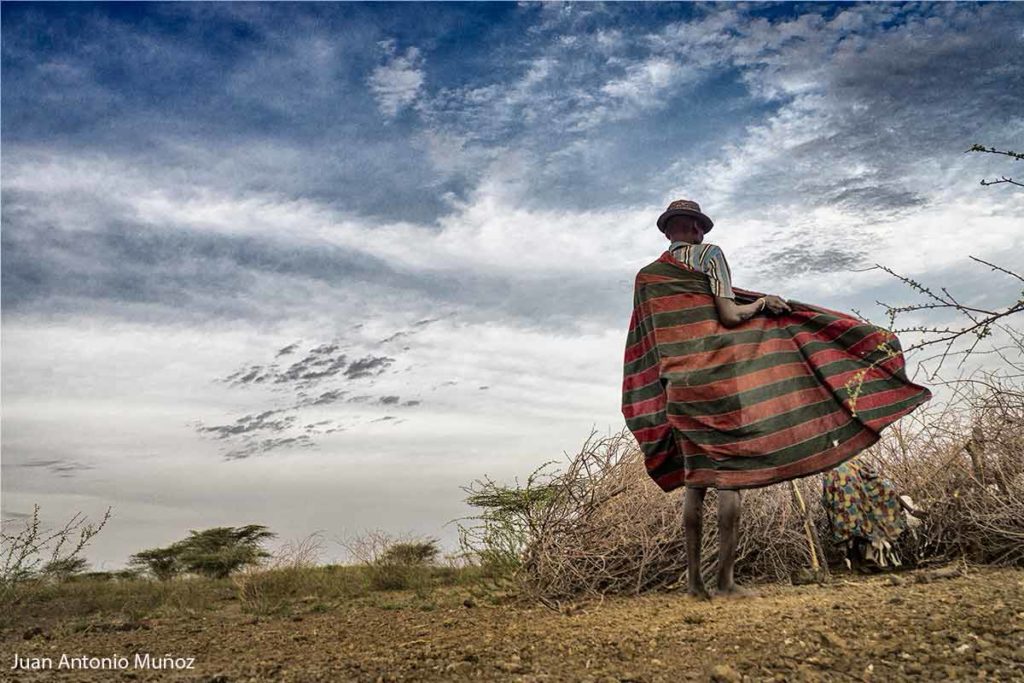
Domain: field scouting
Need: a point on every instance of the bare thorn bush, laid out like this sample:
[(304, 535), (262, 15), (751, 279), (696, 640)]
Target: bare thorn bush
[(30, 551), (301, 553), (602, 526), (605, 527), (395, 564), (963, 463)]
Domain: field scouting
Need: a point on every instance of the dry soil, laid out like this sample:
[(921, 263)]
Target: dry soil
[(875, 628)]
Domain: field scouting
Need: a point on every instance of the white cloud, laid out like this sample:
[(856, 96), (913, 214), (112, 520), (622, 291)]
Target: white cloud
[(397, 83), (645, 81), (477, 237)]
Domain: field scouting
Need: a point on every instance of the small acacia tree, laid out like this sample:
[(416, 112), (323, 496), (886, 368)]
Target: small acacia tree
[(219, 551), (65, 567), (160, 562), (215, 552), (412, 553), (504, 530)]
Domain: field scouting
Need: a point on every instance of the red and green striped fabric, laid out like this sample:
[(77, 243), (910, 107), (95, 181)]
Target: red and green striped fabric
[(772, 399)]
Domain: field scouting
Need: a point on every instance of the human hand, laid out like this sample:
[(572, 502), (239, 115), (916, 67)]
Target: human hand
[(776, 304)]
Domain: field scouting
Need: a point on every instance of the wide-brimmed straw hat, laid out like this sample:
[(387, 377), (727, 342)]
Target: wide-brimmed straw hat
[(684, 207)]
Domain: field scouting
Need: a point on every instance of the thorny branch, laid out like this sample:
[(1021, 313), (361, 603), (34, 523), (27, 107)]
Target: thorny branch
[(992, 150), (979, 325), (22, 552)]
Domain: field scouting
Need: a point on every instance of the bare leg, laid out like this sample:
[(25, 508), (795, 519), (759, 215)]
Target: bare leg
[(728, 518), (728, 532), (693, 514)]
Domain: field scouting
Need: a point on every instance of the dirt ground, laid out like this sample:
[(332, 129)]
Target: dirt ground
[(868, 628)]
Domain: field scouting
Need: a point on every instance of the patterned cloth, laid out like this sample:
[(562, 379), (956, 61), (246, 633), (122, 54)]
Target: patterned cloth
[(708, 259), (862, 505), (775, 398)]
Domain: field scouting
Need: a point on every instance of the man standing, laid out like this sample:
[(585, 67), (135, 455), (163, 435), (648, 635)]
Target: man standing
[(732, 389)]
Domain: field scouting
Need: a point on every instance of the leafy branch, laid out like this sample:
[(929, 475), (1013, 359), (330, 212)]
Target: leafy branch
[(855, 384)]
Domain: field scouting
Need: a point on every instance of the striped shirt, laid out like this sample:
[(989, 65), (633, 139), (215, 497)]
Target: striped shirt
[(707, 259)]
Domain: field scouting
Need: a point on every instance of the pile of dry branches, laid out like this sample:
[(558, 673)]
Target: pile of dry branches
[(963, 463), (605, 527)]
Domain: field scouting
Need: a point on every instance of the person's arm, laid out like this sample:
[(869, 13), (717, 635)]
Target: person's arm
[(732, 314)]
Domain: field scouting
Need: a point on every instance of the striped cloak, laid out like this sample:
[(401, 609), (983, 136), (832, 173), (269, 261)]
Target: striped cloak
[(777, 397)]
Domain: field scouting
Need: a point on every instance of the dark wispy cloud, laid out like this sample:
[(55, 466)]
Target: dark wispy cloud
[(252, 423), (323, 362), (393, 337), (368, 366), (413, 329), (795, 260), (60, 467), (326, 398), (253, 447), (318, 364), (286, 350)]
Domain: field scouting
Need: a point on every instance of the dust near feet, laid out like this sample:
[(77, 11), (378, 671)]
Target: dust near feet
[(698, 593), (736, 591)]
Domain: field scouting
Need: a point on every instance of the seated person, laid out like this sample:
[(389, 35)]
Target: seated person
[(865, 514)]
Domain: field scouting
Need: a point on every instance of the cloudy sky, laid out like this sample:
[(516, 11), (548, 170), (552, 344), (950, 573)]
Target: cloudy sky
[(317, 266)]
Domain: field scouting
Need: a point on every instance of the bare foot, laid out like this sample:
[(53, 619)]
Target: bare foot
[(737, 591), (698, 592)]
